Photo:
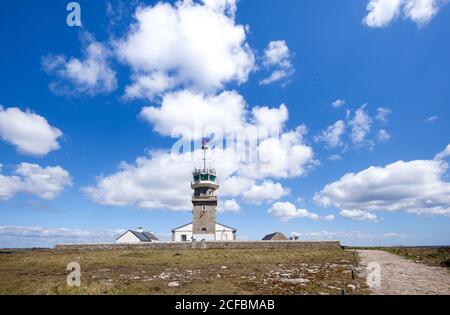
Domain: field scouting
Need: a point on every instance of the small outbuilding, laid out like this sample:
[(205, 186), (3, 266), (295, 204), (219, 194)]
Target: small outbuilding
[(136, 237), (277, 236)]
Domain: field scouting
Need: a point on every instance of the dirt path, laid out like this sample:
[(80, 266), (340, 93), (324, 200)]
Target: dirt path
[(405, 277)]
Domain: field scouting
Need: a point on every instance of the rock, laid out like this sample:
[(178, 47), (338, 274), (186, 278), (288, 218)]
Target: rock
[(295, 281), (352, 286), (173, 284)]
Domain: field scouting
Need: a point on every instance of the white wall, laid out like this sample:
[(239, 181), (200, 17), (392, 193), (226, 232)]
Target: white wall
[(185, 230), (222, 234), (128, 238)]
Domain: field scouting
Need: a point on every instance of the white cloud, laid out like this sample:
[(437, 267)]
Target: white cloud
[(335, 157), (286, 211), (228, 206), (361, 125), (151, 183), (382, 114), (359, 215), (29, 132), (432, 119), (444, 154), (414, 187), (329, 217), (332, 136), (191, 44), (154, 182), (194, 113), (383, 136), (149, 86), (278, 56), (46, 183), (268, 191), (91, 76), (270, 118), (422, 11), (338, 103), (383, 12)]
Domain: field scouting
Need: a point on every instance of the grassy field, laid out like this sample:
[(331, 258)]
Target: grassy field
[(192, 272)]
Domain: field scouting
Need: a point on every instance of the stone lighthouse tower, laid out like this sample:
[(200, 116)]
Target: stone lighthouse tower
[(204, 200)]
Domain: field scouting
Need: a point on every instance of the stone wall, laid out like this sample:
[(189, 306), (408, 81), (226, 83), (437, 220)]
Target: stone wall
[(209, 245)]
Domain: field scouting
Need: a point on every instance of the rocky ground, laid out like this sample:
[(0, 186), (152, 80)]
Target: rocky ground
[(405, 277), (193, 272)]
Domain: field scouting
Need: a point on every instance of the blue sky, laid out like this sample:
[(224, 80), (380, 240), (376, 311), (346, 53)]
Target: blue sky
[(364, 83)]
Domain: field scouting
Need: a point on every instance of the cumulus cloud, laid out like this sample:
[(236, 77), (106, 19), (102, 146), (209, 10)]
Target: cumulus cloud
[(444, 154), (267, 191), (45, 183), (230, 205), (383, 135), (359, 215), (189, 115), (332, 136), (329, 217), (189, 44), (383, 12), (286, 211), (91, 75), (278, 56), (338, 103), (30, 133), (416, 187), (383, 114), (361, 125), (153, 182), (270, 118)]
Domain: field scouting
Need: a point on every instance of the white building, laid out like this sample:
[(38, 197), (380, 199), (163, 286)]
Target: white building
[(136, 237), (185, 234)]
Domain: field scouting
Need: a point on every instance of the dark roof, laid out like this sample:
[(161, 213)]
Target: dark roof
[(142, 236), (270, 237)]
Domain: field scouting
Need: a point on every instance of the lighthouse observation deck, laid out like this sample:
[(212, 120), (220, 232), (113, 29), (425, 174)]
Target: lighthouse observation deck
[(205, 178)]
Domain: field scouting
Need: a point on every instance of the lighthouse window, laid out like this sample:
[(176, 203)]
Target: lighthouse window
[(204, 230), (196, 178), (204, 176), (213, 178)]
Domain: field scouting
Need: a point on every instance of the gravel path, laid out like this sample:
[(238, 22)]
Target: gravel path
[(400, 276)]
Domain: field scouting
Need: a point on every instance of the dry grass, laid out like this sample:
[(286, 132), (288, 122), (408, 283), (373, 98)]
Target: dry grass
[(430, 256), (198, 272)]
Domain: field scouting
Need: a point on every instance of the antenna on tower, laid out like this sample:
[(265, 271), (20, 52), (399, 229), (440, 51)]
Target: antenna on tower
[(205, 147)]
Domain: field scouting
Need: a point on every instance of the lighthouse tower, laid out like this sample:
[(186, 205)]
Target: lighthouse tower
[(204, 200)]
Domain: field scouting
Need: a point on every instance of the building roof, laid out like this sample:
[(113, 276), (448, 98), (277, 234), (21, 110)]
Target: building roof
[(142, 236), (273, 236), (226, 226)]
